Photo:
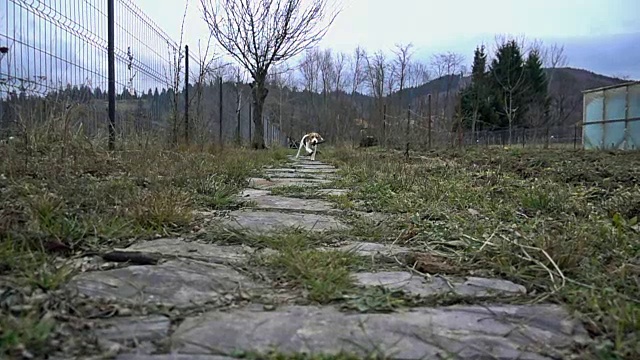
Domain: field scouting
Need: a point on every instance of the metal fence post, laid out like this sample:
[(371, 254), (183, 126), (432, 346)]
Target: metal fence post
[(429, 120), (220, 112), (111, 56), (186, 94)]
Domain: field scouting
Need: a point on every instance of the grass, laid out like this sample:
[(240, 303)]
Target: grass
[(299, 262), (54, 207), (563, 223)]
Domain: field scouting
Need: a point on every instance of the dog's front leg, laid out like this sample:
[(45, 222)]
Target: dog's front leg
[(300, 147), (315, 148)]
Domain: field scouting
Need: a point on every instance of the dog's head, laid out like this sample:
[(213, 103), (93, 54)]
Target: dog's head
[(315, 138)]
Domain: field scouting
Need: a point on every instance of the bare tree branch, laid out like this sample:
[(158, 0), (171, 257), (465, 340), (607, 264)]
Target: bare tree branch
[(262, 33)]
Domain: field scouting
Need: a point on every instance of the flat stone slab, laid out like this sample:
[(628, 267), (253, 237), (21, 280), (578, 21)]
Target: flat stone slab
[(417, 285), (172, 357), (260, 183), (332, 192), (313, 166), (180, 283), (191, 249), (303, 170), (134, 328), (372, 216), (264, 200), (268, 221), (469, 332), (297, 175), (373, 249)]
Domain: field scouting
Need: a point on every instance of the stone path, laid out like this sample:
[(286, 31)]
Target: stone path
[(201, 301)]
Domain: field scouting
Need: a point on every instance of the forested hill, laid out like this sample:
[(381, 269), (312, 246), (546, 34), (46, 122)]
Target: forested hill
[(568, 84)]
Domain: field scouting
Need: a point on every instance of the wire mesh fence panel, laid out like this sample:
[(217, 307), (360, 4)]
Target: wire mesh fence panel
[(53, 60)]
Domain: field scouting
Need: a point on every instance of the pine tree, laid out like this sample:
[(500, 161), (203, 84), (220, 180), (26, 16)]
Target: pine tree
[(478, 87), (477, 98), (508, 83), (537, 92)]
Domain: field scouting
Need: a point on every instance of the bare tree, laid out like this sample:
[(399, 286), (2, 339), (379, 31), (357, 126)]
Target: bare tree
[(403, 62), (281, 78), (207, 64), (446, 65), (173, 78), (262, 33), (562, 104), (418, 74), (310, 69), (338, 70), (358, 70)]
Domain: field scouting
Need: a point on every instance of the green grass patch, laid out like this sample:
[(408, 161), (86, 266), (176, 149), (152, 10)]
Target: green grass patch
[(563, 223)]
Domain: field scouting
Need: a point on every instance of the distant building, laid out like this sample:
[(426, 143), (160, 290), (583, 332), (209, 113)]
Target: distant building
[(611, 117)]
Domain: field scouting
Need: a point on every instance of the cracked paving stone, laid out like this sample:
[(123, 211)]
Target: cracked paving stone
[(470, 332), (260, 183), (222, 254), (268, 221), (332, 192), (134, 328), (180, 283), (171, 357), (314, 166), (264, 200), (303, 170), (371, 249), (417, 285), (307, 176)]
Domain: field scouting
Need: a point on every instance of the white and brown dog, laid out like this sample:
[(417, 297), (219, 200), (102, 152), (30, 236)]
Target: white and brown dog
[(310, 142)]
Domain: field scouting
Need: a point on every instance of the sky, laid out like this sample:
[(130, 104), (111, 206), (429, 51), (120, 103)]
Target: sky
[(599, 35), (60, 44)]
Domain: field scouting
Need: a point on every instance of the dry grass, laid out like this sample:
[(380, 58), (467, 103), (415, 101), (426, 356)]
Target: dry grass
[(563, 223), (60, 198)]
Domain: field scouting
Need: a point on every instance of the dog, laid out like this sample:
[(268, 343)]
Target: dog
[(310, 142)]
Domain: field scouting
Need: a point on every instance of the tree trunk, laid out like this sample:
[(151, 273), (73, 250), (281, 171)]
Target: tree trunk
[(259, 93)]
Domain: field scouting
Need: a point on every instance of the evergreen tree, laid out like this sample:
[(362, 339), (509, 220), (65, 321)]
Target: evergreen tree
[(537, 96), (477, 98), (508, 83)]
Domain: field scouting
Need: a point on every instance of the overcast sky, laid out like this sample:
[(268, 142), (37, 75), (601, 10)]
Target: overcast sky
[(600, 35)]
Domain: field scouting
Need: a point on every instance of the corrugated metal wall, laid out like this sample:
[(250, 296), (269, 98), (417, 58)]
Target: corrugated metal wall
[(612, 118)]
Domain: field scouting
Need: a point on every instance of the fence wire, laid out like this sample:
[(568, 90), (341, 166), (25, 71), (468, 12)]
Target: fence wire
[(54, 65)]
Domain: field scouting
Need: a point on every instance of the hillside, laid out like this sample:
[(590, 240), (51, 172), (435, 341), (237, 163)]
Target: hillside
[(567, 86)]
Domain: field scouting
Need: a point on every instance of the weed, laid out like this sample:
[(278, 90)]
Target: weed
[(562, 223), (53, 206)]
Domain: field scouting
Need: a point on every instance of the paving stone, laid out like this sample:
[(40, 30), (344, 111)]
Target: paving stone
[(260, 183), (180, 283), (372, 249), (264, 200), (417, 285), (172, 357), (303, 170), (332, 192), (191, 249), (470, 332), (298, 175), (372, 216), (268, 221), (313, 166), (134, 328)]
